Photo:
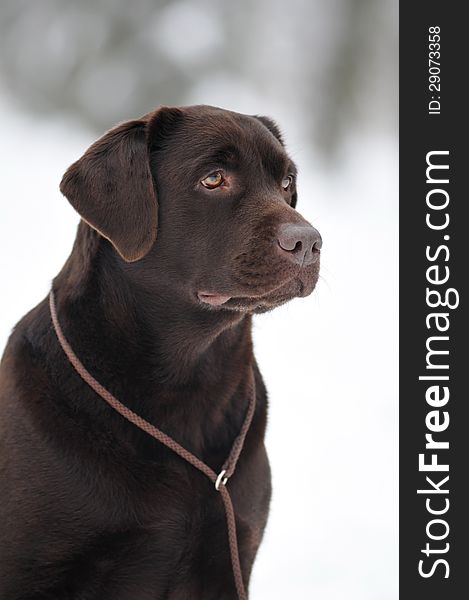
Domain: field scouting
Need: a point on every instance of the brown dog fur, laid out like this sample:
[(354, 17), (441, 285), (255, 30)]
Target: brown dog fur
[(91, 508)]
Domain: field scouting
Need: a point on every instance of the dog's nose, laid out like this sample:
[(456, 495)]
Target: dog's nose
[(300, 243)]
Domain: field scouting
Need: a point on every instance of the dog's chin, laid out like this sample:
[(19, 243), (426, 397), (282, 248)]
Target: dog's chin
[(295, 288), (300, 286)]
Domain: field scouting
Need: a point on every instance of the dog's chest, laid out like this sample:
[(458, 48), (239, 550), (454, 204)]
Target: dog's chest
[(181, 523)]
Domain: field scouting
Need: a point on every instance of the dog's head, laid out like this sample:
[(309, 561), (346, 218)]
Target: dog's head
[(202, 201)]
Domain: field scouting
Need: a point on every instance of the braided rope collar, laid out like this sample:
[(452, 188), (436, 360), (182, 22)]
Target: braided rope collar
[(220, 480)]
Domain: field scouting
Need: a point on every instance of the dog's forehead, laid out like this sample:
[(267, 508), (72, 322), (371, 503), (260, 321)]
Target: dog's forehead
[(207, 131)]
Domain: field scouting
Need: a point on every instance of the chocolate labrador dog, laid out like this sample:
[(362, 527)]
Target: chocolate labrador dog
[(188, 228)]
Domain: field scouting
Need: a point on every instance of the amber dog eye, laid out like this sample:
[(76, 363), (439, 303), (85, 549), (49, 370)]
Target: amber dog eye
[(286, 183), (213, 180)]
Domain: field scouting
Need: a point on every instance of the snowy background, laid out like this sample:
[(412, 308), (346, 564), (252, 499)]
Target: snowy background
[(326, 71)]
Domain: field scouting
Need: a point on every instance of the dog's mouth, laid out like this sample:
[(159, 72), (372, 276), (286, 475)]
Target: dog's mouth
[(296, 286), (213, 299)]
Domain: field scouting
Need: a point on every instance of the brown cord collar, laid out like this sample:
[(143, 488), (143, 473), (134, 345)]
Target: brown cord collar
[(219, 480)]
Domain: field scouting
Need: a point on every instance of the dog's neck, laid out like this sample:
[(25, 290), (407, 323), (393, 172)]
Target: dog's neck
[(182, 368), (171, 339)]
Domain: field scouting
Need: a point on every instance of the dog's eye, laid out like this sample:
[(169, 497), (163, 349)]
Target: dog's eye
[(286, 183), (213, 180)]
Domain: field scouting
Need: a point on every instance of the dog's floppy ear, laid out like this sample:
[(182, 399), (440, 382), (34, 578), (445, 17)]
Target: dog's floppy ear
[(111, 186), (275, 131), (271, 126)]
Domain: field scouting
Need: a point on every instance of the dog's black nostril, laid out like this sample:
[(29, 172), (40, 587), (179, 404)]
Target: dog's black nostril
[(297, 247), (288, 240)]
